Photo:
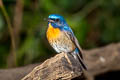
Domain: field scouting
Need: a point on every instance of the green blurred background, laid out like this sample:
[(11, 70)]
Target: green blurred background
[(95, 23)]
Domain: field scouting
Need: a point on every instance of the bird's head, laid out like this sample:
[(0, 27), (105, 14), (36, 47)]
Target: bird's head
[(56, 21)]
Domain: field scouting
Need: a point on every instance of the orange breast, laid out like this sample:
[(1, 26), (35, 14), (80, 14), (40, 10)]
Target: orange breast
[(52, 33)]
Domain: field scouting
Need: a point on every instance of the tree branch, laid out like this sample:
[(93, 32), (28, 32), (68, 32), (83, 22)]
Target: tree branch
[(99, 60), (56, 68)]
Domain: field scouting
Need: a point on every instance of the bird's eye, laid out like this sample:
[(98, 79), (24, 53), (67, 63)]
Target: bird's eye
[(57, 20)]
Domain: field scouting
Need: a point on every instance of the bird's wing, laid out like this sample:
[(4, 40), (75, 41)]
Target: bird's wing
[(69, 33)]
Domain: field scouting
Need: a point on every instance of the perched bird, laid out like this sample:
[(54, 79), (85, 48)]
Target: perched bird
[(62, 39)]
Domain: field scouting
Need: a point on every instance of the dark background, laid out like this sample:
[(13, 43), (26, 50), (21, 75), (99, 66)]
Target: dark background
[(95, 23)]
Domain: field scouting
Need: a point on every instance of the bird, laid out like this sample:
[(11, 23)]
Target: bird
[(61, 37)]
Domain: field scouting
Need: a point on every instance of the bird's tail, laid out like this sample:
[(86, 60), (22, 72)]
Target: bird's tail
[(77, 56)]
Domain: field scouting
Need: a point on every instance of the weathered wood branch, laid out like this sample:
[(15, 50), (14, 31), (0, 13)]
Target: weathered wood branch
[(98, 61), (56, 68), (103, 59)]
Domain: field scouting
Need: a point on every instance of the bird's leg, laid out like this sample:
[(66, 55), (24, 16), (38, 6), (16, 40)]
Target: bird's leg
[(68, 60)]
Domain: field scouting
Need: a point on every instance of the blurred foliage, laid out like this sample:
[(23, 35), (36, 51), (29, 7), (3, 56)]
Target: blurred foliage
[(95, 23)]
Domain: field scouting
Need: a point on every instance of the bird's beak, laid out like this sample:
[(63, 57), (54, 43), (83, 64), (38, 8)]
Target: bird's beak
[(50, 20)]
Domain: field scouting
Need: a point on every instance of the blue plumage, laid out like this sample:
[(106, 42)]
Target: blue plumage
[(56, 16), (63, 26), (66, 40)]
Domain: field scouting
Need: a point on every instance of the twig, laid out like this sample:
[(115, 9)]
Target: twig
[(13, 53)]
